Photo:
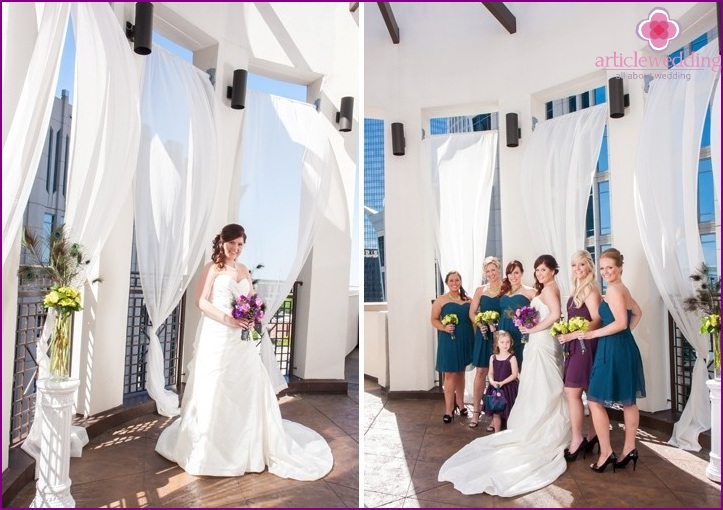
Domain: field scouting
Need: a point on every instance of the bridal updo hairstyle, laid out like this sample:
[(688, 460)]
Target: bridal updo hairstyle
[(506, 285), (550, 263), (228, 233)]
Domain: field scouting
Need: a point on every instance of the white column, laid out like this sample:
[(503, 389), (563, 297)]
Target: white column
[(713, 469), (53, 486), (10, 314), (409, 261)]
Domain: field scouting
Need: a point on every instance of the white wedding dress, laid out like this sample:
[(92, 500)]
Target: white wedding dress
[(230, 420), (530, 454)]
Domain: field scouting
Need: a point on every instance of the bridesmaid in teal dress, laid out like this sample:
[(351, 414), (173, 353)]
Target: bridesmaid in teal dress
[(486, 298), (454, 343), (617, 372), (514, 295)]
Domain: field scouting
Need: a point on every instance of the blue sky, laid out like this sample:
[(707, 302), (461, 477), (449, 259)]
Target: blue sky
[(256, 82)]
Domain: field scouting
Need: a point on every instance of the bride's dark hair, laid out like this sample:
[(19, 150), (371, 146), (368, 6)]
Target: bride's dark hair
[(228, 233), (550, 263)]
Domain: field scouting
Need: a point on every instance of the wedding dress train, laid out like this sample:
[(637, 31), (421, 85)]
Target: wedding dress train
[(530, 454), (230, 420)]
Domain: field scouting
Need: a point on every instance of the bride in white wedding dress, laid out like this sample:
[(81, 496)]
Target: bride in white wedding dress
[(230, 420), (530, 453)]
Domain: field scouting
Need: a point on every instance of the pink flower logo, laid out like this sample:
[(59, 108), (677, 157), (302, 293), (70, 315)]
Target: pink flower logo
[(658, 29)]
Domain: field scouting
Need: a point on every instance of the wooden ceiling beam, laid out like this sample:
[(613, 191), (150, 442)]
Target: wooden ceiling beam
[(388, 15), (503, 15)]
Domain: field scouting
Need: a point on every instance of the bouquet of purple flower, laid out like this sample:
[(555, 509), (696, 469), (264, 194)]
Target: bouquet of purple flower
[(525, 316), (251, 308)]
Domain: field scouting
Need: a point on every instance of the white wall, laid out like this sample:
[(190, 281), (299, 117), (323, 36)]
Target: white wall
[(376, 355), (456, 58)]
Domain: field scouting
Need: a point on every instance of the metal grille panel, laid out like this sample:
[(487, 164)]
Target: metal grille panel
[(29, 327), (170, 334), (282, 331)]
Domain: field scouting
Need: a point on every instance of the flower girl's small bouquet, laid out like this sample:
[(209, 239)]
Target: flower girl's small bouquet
[(451, 318), (251, 308), (527, 317)]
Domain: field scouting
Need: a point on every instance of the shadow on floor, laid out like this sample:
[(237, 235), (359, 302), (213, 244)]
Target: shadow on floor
[(405, 444), (120, 467)]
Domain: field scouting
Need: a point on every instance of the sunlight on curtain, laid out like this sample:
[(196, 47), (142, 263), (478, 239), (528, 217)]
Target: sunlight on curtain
[(24, 136), (557, 170), (665, 189), (175, 184), (285, 166)]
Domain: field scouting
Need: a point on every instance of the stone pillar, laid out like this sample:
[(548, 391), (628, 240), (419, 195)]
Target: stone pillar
[(713, 469), (53, 486)]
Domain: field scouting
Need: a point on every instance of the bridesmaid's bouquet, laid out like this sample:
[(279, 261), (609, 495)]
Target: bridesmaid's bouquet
[(578, 324), (489, 317), (251, 308), (562, 327), (450, 318), (527, 317)]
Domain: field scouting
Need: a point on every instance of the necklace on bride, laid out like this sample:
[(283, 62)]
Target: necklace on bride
[(230, 268)]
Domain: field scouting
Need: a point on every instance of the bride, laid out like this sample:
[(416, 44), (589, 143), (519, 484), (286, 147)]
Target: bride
[(530, 454), (230, 420)]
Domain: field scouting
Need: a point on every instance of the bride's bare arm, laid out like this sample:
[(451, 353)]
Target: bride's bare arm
[(203, 297)]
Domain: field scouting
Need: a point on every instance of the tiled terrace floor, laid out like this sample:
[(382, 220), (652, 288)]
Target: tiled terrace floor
[(121, 469), (405, 443)]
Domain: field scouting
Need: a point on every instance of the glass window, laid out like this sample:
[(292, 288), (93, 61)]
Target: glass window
[(48, 220), (572, 103), (600, 95), (381, 250), (705, 139), (603, 189), (548, 110), (590, 219), (676, 57), (699, 42), (585, 100), (49, 171), (602, 160), (709, 252), (438, 126), (706, 209)]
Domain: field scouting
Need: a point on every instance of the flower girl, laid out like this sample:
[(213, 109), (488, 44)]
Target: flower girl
[(503, 382)]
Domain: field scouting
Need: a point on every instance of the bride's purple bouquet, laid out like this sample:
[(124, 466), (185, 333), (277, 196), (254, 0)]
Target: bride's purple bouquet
[(251, 308), (527, 317)]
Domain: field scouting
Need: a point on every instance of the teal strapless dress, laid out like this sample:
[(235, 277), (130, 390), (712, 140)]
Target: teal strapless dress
[(617, 372), (483, 342), (508, 305), (455, 355)]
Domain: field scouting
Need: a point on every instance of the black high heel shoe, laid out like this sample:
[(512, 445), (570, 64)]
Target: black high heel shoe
[(447, 418), (461, 411), (633, 455), (572, 456), (590, 448), (612, 459)]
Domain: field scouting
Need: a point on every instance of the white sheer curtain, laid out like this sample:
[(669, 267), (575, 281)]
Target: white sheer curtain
[(461, 170), (665, 190), (715, 137), (175, 183), (23, 139), (104, 144), (284, 170), (459, 188), (557, 171)]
